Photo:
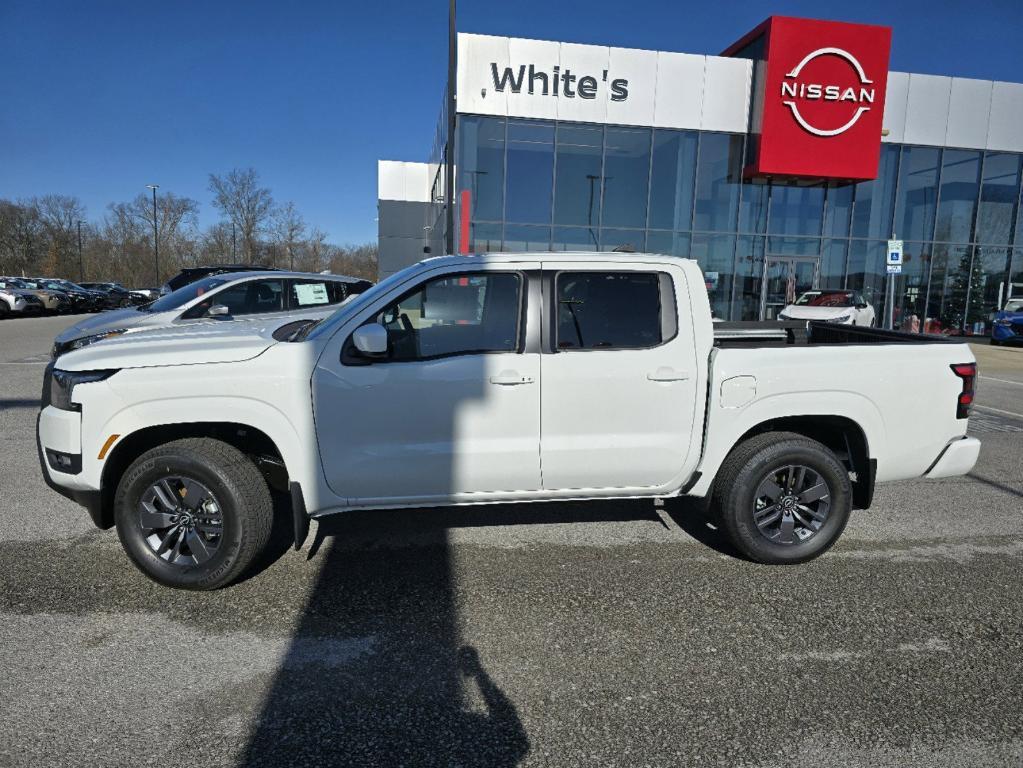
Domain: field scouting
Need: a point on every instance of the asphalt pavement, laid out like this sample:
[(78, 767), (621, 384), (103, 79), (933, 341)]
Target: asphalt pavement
[(601, 634)]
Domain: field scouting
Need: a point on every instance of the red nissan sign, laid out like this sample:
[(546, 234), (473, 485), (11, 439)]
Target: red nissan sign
[(818, 98)]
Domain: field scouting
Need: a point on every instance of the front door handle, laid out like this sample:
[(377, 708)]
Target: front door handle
[(510, 378), (667, 374)]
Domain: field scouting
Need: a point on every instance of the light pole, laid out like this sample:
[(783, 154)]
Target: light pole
[(156, 236), (81, 269)]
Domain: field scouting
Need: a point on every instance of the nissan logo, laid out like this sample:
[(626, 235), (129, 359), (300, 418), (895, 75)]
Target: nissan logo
[(793, 88)]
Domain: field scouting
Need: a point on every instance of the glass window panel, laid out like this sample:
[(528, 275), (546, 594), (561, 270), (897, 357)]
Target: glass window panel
[(838, 210), (753, 206), (718, 179), (1016, 275), (946, 297), (749, 277), (669, 243), (867, 272), (455, 314), (716, 257), (623, 238), (577, 187), (523, 237), (911, 288), (833, 256), (999, 195), (486, 237), (916, 205), (960, 177), (988, 287), (796, 209), (672, 179), (626, 176), (481, 165), (530, 173), (609, 310), (574, 239), (794, 246), (875, 200)]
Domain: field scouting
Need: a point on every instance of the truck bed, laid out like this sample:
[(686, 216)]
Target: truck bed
[(814, 333)]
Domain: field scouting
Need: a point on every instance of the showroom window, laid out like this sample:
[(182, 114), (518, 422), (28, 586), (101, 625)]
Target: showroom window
[(481, 167), (796, 209), (577, 178), (718, 173), (626, 177), (672, 178), (917, 202), (957, 195), (530, 164), (999, 196)]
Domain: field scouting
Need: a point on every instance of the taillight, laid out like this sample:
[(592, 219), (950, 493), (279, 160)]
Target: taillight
[(968, 373)]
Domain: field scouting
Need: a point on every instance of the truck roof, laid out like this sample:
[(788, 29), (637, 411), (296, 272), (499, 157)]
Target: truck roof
[(588, 257)]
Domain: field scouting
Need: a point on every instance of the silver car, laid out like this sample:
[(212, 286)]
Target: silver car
[(219, 298)]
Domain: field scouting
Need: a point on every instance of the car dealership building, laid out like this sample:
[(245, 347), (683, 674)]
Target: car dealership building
[(784, 164)]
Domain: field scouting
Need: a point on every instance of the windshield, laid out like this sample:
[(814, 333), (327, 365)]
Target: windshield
[(184, 294), (326, 325), (1014, 305), (825, 299), (9, 283)]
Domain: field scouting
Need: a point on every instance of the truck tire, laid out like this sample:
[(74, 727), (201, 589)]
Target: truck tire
[(193, 513), (782, 498)]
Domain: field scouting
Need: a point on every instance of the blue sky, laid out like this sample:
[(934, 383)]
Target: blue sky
[(99, 98)]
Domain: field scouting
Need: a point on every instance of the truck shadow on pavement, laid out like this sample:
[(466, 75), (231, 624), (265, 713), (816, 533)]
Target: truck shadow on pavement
[(377, 672)]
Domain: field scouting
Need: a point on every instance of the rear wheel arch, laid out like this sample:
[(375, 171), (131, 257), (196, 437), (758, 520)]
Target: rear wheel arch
[(259, 447), (841, 435)]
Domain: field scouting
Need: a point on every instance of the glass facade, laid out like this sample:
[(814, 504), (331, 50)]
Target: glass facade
[(558, 186)]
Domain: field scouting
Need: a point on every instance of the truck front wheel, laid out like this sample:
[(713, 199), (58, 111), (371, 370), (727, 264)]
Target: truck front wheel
[(193, 513), (782, 498)]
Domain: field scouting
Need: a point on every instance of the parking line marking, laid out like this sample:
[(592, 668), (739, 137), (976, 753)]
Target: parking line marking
[(998, 410), (1004, 381)]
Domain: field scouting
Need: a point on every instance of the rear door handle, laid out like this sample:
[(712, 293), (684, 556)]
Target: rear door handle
[(510, 378), (667, 374)]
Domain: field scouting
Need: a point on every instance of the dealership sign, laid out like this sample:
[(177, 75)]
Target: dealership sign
[(818, 97)]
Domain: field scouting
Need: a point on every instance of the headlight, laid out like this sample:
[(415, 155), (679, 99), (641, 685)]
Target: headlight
[(1003, 321), (62, 386), (87, 340), (841, 319)]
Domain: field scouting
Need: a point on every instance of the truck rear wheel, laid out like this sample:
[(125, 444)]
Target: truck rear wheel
[(782, 498), (193, 514)]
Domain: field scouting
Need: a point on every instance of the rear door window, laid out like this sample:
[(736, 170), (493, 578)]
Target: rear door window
[(613, 310)]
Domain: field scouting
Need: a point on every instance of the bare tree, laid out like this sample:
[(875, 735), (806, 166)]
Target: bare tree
[(238, 196), (287, 228), (22, 238), (59, 216)]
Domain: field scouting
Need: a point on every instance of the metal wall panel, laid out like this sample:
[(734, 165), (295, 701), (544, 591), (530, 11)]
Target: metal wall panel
[(679, 96), (1005, 129), (474, 82), (927, 109), (640, 69), (543, 55), (969, 108), (390, 180), (895, 107), (581, 61), (726, 88)]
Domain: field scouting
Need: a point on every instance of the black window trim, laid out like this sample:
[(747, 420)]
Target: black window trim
[(549, 329), (350, 358)]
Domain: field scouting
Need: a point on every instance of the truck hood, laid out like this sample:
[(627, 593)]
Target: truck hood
[(815, 313), (104, 321), (189, 345)]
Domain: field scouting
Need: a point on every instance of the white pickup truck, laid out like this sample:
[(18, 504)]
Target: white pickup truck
[(499, 378)]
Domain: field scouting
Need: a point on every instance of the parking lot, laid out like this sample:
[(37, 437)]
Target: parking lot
[(613, 633)]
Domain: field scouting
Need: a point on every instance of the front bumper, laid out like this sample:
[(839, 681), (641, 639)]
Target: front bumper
[(1005, 333), (61, 431), (958, 458)]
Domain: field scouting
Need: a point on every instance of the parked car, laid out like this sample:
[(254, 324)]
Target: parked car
[(228, 296), (52, 301), (144, 295), (191, 274), (81, 299), (18, 301), (833, 306), (1007, 327), (452, 382), (116, 294)]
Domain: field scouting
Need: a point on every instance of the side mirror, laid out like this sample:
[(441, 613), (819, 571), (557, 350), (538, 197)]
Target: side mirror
[(862, 305), (218, 310), (370, 340)]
